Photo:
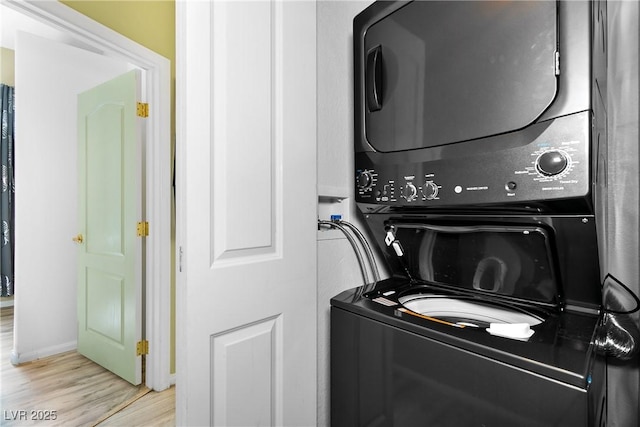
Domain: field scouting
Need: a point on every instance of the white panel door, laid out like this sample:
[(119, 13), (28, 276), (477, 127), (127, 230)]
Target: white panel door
[(246, 292)]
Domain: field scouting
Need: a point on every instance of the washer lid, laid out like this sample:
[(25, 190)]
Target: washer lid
[(514, 261)]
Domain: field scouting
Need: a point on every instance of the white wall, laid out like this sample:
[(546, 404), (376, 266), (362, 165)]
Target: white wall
[(49, 76), (338, 268)]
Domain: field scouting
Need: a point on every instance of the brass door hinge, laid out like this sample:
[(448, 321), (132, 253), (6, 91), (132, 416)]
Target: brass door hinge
[(143, 229), (142, 109), (142, 347)]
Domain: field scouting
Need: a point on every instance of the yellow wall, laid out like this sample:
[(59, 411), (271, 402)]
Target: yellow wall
[(7, 66), (152, 24)]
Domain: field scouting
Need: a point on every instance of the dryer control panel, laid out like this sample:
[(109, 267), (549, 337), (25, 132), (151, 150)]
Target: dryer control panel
[(554, 165)]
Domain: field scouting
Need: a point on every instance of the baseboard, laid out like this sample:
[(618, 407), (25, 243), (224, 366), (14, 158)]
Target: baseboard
[(6, 302), (19, 358)]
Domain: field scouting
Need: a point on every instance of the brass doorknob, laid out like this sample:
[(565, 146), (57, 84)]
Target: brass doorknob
[(78, 238)]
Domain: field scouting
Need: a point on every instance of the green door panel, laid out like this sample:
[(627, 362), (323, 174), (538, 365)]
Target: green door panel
[(109, 202)]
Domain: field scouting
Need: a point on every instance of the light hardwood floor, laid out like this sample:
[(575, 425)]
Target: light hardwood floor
[(80, 392)]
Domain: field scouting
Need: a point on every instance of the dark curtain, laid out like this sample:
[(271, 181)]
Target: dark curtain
[(8, 190)]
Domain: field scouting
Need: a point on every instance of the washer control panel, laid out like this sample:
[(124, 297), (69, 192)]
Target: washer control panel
[(555, 165)]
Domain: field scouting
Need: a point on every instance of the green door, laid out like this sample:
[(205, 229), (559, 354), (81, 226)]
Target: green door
[(109, 208)]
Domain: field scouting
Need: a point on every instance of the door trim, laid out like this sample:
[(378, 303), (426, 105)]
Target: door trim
[(156, 86)]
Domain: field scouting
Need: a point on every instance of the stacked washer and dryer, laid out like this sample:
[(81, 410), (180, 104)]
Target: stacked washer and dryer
[(484, 175)]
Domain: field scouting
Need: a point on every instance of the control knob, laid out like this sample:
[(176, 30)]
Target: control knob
[(409, 192), (365, 180), (430, 190), (551, 163)]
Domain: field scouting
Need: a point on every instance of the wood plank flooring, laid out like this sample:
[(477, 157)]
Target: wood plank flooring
[(80, 392)]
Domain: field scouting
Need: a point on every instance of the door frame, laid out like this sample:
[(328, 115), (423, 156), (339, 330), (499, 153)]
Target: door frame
[(157, 81)]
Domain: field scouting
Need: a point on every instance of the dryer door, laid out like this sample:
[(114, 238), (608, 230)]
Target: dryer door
[(438, 72)]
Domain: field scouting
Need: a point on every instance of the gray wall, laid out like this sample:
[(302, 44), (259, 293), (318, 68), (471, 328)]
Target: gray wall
[(622, 220), (337, 265)]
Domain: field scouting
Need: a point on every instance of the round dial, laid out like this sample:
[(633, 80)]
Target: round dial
[(552, 162), (430, 190), (365, 180), (409, 192)]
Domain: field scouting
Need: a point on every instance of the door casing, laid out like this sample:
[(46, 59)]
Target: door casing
[(158, 171)]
